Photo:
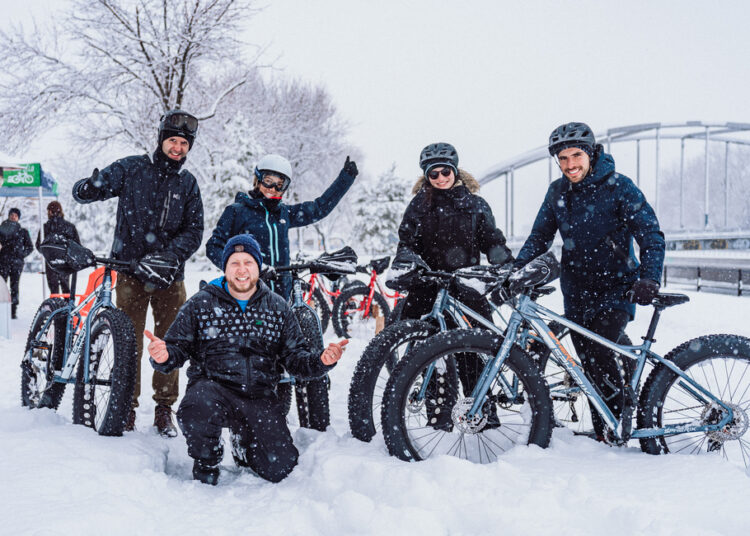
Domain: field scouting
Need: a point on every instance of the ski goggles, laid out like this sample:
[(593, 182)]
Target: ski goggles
[(180, 121), (275, 181)]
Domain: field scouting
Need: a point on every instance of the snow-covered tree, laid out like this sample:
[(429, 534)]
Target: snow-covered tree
[(379, 206), (110, 68)]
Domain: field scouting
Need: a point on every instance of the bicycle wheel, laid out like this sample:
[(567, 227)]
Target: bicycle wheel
[(372, 372), (318, 302), (104, 402), (422, 423), (396, 313), (312, 395), (348, 312), (44, 353), (721, 365)]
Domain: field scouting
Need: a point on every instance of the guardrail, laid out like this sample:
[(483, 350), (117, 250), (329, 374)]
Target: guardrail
[(704, 271)]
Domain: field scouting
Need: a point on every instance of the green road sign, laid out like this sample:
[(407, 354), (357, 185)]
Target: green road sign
[(29, 175)]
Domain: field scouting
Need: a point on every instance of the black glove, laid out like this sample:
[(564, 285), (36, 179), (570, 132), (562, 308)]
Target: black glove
[(158, 269), (268, 274), (643, 291), (89, 185), (350, 167)]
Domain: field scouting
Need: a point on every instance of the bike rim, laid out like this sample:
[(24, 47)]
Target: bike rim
[(38, 362), (102, 362), (431, 427), (729, 379)]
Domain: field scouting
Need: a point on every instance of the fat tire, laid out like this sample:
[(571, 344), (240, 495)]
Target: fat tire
[(342, 321), (54, 392), (451, 342), (657, 387), (107, 413), (319, 303), (396, 313), (379, 358), (312, 395)]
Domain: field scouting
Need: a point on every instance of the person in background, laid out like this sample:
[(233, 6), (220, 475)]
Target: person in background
[(159, 226), (56, 224), (15, 246), (598, 212), (236, 332)]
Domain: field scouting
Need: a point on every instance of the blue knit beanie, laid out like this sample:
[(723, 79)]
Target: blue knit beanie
[(243, 242)]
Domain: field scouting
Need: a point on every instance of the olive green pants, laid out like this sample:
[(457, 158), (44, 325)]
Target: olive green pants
[(134, 299)]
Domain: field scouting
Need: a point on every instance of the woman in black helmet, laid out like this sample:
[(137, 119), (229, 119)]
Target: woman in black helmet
[(449, 227)]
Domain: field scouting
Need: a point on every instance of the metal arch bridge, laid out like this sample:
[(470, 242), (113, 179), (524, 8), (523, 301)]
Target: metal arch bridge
[(726, 133)]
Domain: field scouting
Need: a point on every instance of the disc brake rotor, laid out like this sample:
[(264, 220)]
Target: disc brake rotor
[(735, 429), (461, 420)]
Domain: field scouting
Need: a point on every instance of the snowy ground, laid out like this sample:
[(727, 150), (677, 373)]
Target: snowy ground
[(56, 478)]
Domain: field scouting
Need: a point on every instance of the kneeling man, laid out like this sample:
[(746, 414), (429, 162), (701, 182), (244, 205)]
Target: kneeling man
[(238, 335)]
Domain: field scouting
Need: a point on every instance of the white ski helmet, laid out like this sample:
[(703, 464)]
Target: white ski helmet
[(275, 163)]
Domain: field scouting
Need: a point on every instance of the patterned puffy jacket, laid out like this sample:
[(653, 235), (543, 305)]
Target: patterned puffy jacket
[(245, 351)]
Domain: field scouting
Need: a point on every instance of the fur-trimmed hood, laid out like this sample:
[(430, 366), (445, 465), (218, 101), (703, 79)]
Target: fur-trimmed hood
[(464, 177)]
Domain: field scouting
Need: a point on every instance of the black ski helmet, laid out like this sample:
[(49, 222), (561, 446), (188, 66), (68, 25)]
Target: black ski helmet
[(178, 123), (438, 154), (571, 135)]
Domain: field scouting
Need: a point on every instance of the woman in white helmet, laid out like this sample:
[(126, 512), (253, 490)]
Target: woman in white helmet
[(262, 213)]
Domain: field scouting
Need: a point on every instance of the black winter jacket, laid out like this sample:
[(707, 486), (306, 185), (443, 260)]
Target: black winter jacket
[(159, 207), (16, 245), (450, 229), (57, 225), (269, 222), (244, 351), (604, 204)]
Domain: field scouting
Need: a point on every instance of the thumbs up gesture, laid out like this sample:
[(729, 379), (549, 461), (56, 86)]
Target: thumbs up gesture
[(157, 348), (333, 353)]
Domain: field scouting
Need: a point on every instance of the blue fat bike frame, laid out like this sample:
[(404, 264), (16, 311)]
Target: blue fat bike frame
[(527, 310)]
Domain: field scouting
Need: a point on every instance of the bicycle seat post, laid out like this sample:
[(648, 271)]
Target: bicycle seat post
[(649, 337)]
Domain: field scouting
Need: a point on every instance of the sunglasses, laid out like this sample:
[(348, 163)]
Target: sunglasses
[(279, 185), (445, 172), (180, 121)]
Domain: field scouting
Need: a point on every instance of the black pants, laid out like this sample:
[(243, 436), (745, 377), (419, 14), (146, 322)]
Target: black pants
[(604, 368), (58, 283), (15, 276), (260, 436)]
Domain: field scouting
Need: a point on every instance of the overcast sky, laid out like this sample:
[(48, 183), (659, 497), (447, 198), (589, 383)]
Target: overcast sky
[(494, 77)]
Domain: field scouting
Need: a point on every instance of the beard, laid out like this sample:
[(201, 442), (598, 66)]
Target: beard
[(242, 287)]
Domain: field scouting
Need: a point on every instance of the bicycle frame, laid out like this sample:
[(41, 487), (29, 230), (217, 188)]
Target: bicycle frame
[(531, 312), (78, 333)]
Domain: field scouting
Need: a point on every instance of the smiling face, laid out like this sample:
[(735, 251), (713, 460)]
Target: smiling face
[(175, 147), (574, 163), (242, 275)]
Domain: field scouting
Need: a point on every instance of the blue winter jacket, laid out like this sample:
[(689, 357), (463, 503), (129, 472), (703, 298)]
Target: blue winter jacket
[(269, 222), (605, 205)]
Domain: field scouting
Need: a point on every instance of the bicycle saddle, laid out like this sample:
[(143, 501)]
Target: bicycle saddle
[(666, 299)]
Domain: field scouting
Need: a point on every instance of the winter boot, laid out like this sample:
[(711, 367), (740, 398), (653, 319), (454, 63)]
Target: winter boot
[(13, 308), (163, 421), (130, 422), (208, 474)]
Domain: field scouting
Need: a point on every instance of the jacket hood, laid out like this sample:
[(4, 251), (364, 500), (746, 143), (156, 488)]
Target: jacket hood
[(464, 177)]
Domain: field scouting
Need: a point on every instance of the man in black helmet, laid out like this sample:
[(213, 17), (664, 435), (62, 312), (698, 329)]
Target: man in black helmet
[(159, 226), (598, 213)]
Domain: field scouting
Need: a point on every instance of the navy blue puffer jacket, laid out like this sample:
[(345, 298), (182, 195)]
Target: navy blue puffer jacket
[(605, 205), (269, 222)]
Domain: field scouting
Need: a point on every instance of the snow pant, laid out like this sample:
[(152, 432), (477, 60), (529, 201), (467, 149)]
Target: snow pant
[(58, 283), (419, 302), (604, 368), (134, 297), (14, 274), (260, 436)]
